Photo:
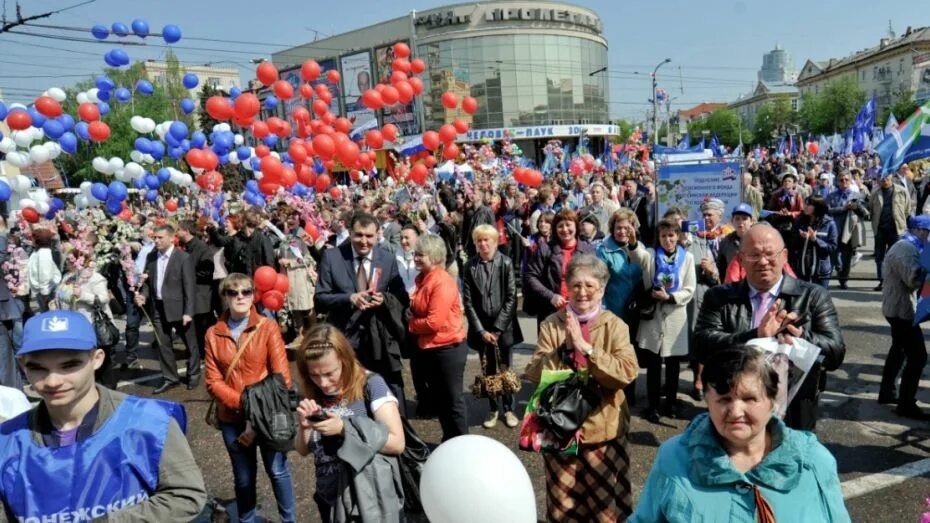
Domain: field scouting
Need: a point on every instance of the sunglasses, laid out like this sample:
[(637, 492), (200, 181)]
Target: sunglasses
[(232, 293)]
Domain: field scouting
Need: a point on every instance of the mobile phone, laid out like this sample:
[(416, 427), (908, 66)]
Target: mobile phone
[(801, 320), (318, 417)]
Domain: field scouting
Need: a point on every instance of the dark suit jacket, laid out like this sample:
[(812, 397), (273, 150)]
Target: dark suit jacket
[(202, 256), (178, 288), (337, 283)]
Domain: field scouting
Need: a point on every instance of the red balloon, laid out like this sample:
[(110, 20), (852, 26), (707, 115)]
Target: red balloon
[(311, 229), (297, 151), (416, 84), (813, 147), (355, 175), (450, 151), (306, 92), (348, 154), (322, 182), (171, 205), (533, 178), (389, 132), (418, 174), (469, 105), (335, 193), (430, 161), (219, 108), (271, 168), (288, 177), (374, 139), (519, 174), (265, 278), (461, 126), (262, 150), (268, 188), (319, 107), (401, 65), (401, 50), (417, 66), (210, 160), (195, 158), (244, 123), (310, 71), (372, 99), (390, 95), (329, 119), (247, 106), (275, 124), (98, 131), (89, 112), (48, 107), (283, 90), (449, 100), (398, 76), (260, 129), (404, 91), (324, 147), (266, 73), (273, 300), (284, 130), (333, 76), (300, 114), (30, 215), (431, 140), (281, 284), (448, 133), (342, 124), (18, 120), (213, 181)]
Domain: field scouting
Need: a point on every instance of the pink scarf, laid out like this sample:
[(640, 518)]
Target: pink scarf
[(584, 320)]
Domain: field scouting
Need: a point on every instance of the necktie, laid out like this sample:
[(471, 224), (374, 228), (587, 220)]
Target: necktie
[(761, 309), (361, 275)]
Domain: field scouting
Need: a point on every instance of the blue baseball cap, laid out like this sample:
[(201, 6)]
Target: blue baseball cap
[(743, 208), (921, 221), (53, 330)]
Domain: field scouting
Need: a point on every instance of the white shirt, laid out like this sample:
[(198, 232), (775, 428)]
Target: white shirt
[(408, 271), (342, 237), (12, 403), (42, 272), (162, 266)]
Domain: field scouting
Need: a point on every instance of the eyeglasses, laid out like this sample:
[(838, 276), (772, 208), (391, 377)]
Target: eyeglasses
[(232, 293), (757, 257)]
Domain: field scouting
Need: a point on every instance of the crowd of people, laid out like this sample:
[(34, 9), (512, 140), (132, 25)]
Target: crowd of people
[(387, 277)]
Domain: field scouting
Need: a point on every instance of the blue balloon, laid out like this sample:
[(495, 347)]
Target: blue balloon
[(256, 163), (68, 143), (108, 58), (171, 140), (3, 111), (243, 152), (190, 80), (271, 140), (271, 102), (99, 191), (176, 153), (38, 119), (198, 139), (123, 95), (152, 181), (151, 195), (178, 130), (56, 204), (251, 186), (187, 105), (100, 32), (140, 27), (225, 140), (185, 145), (171, 33), (117, 190), (119, 29), (143, 145), (81, 129), (5, 191), (235, 92), (53, 129), (138, 183), (66, 121), (114, 206), (103, 96), (103, 107), (144, 87), (120, 57), (104, 83), (164, 175), (318, 167)]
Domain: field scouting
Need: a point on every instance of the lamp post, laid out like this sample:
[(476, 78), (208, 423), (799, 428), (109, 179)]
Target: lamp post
[(655, 103)]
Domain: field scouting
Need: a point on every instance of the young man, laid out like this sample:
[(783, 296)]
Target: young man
[(87, 452)]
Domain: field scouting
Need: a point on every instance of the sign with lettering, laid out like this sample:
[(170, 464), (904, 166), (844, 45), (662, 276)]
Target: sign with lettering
[(685, 186), (544, 15), (539, 131), (442, 19)]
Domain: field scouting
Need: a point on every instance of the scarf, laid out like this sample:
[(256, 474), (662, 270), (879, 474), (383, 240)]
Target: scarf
[(914, 240), (584, 321), (668, 269)]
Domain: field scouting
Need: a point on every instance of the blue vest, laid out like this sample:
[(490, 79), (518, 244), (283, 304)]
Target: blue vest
[(113, 469)]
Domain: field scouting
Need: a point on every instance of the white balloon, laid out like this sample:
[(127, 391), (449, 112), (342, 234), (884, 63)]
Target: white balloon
[(42, 207), (18, 159), (137, 123), (222, 127), (238, 139), (233, 158), (7, 145), (188, 179), (149, 125), (122, 175), (17, 106), (258, 175), (197, 170), (39, 195), (22, 138), (92, 95), (57, 94), (82, 98), (364, 178), (81, 201), (115, 164), (135, 156), (456, 474), (101, 165), (248, 165), (37, 133), (38, 154), (27, 202), (134, 170), (86, 187), (148, 158), (54, 150)]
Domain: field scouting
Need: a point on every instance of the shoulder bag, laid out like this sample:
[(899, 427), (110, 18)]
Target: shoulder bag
[(106, 331), (212, 417)]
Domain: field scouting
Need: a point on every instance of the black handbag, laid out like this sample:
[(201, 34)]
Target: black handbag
[(564, 406), (106, 331)]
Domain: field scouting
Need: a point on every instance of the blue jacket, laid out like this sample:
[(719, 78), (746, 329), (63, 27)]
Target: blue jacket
[(693, 480), (624, 275)]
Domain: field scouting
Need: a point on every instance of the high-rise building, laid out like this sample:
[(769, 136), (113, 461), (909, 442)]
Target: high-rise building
[(777, 67)]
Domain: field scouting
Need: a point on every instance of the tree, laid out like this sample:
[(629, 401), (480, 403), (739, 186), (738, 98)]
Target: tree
[(903, 107), (773, 118), (725, 123), (834, 109), (626, 129)]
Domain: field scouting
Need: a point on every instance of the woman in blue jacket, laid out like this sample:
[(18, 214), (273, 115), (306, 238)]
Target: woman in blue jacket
[(813, 242), (739, 462)]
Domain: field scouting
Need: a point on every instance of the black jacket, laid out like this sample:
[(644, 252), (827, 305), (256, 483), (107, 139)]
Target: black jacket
[(500, 314), (270, 405), (472, 218), (202, 256), (543, 276), (244, 253), (380, 344)]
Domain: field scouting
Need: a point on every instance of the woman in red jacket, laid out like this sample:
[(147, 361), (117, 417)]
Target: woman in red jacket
[(436, 320), (263, 353)]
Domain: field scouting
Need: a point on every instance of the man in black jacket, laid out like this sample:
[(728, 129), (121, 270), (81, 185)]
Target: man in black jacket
[(202, 256), (767, 303)]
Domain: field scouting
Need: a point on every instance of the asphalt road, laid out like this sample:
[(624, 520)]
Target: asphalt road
[(879, 454)]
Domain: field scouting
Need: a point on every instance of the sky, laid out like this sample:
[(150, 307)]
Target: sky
[(715, 46)]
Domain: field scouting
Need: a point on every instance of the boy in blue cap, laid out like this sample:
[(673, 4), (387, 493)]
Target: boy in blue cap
[(87, 452)]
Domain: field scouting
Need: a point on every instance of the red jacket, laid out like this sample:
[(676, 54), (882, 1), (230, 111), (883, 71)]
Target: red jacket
[(437, 312), (265, 354)]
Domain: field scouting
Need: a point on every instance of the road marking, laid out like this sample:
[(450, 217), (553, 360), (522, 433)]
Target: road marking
[(866, 484)]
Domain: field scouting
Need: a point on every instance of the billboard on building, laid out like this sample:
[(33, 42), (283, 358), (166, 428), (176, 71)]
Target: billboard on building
[(400, 114), (356, 79), (921, 80)]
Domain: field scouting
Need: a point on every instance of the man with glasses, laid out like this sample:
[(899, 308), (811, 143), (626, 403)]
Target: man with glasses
[(771, 303), (849, 212)]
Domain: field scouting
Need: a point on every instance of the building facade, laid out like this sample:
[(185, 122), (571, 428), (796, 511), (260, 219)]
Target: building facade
[(748, 106), (777, 67), (894, 68), (224, 78), (537, 70)]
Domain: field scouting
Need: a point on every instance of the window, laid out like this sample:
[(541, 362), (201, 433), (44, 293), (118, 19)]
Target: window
[(214, 82)]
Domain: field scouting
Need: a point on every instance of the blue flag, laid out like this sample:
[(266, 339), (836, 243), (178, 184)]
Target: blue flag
[(685, 143), (715, 146), (566, 156)]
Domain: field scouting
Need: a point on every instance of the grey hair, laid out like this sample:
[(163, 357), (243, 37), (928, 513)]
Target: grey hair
[(433, 247), (587, 265)]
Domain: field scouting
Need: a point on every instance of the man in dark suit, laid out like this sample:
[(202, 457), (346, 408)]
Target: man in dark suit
[(770, 303), (168, 294), (361, 292), (202, 256)]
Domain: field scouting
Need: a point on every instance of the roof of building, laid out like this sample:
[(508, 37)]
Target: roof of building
[(701, 108), (909, 38)]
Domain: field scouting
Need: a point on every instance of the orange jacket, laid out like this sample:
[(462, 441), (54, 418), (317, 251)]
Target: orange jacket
[(263, 355), (437, 313)]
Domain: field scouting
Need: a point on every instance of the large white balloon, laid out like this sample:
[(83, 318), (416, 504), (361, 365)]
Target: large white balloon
[(42, 207), (135, 156), (18, 159), (38, 154), (116, 163), (82, 98), (7, 145), (238, 139), (57, 94), (81, 201), (474, 479), (92, 95), (137, 123), (134, 170), (101, 165), (122, 175), (86, 187), (21, 183), (148, 125), (22, 138), (54, 150), (27, 202)]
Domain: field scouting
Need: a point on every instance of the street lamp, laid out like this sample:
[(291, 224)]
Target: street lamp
[(655, 103)]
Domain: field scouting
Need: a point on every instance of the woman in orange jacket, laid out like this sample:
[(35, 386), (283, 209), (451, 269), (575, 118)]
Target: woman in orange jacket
[(243, 329), (436, 319)]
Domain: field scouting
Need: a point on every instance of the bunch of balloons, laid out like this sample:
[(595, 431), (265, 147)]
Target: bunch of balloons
[(272, 287), (170, 33)]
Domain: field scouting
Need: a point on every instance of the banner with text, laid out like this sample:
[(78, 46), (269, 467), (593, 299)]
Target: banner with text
[(685, 186)]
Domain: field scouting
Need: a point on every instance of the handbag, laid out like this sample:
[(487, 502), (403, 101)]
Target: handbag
[(502, 383), (106, 331), (212, 416), (565, 405)]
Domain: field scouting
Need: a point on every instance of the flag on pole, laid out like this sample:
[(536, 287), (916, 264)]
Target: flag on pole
[(566, 156), (608, 161), (715, 146), (685, 143), (892, 123), (908, 142)]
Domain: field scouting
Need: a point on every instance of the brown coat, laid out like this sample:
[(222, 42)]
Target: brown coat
[(264, 355), (612, 365)]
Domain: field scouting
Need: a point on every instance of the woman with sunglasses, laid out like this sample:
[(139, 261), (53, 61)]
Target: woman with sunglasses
[(242, 328)]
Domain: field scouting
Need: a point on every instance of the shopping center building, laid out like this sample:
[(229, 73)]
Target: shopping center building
[(537, 69)]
